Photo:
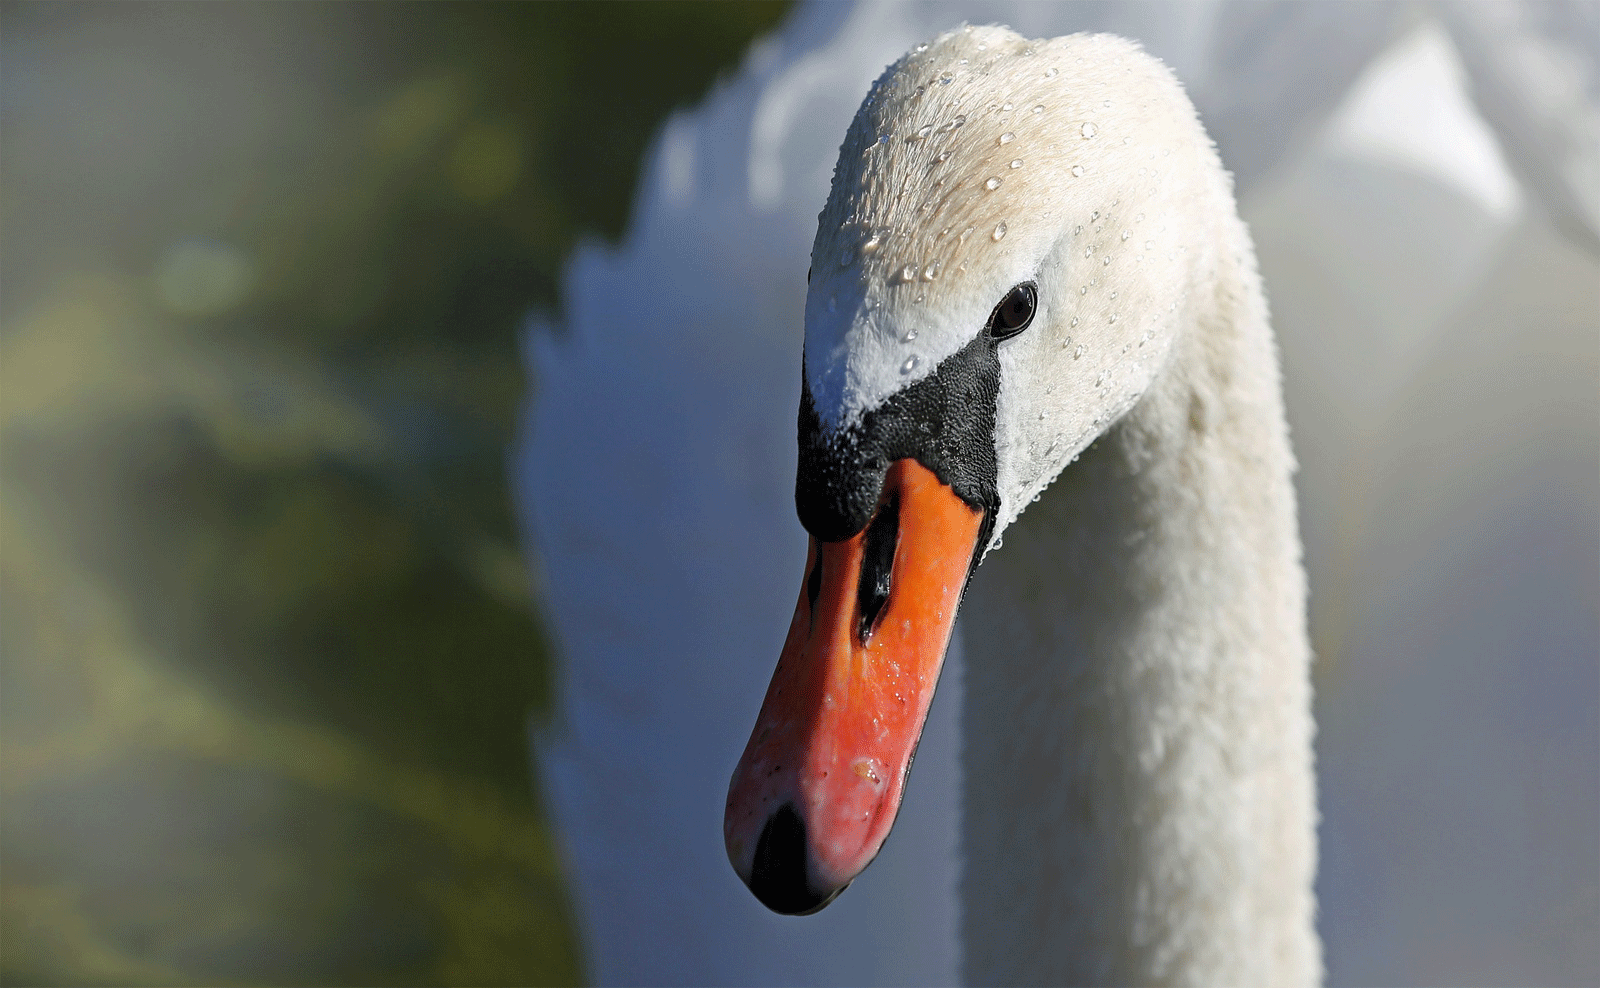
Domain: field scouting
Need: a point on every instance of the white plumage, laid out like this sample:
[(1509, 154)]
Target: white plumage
[(1139, 799), (667, 523)]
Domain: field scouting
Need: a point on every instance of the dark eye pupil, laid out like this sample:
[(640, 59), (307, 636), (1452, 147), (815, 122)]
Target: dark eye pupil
[(1014, 312)]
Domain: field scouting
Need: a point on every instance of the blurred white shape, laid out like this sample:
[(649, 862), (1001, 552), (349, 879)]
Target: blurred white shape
[(1535, 73), (678, 162), (1410, 109)]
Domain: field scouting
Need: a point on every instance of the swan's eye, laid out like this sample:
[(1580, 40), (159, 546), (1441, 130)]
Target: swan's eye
[(1014, 312)]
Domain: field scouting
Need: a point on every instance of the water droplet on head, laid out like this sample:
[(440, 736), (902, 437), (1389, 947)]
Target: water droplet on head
[(1149, 245), (1106, 261), (1101, 379), (931, 271), (908, 273), (1051, 72), (944, 155), (1006, 105), (1126, 234), (1078, 352), (1016, 162), (1077, 171), (910, 335), (1006, 138), (1088, 130), (992, 184), (1112, 317), (945, 79), (999, 231), (921, 134), (1074, 321), (873, 243), (909, 365), (1039, 108)]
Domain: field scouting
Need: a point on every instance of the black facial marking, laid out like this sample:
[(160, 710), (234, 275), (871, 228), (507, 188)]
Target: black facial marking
[(944, 421), (877, 566)]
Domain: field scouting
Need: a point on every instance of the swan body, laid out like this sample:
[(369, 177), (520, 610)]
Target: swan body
[(1139, 803)]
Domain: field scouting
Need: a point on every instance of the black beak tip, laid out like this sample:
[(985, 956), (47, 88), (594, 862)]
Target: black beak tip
[(778, 874)]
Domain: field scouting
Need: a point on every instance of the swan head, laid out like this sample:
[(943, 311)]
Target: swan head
[(1000, 272)]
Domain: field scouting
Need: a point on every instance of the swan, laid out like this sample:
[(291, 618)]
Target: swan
[(654, 481), (1030, 274)]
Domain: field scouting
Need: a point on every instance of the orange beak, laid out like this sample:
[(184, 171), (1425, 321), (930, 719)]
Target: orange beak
[(817, 789)]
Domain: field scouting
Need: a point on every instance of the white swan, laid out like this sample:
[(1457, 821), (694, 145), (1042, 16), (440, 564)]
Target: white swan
[(1029, 246), (657, 467)]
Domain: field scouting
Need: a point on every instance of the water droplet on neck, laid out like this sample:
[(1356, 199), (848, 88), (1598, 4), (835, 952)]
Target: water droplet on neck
[(873, 243), (1006, 106), (1016, 162), (910, 364), (1039, 108), (908, 273), (921, 134), (999, 231), (931, 271), (1074, 320), (1088, 130), (1106, 262), (945, 79), (1077, 171), (1078, 352), (1051, 72), (1126, 234), (910, 335), (1006, 138), (1149, 245), (992, 184)]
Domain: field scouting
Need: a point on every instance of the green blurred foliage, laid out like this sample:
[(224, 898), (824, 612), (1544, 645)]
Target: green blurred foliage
[(268, 652)]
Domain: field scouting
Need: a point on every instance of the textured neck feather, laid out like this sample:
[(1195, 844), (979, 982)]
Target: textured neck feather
[(1139, 806)]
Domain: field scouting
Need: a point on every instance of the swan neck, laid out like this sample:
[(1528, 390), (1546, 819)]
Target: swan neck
[(1139, 805)]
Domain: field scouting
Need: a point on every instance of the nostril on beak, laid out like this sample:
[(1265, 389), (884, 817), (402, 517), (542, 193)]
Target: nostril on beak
[(877, 565), (778, 874)]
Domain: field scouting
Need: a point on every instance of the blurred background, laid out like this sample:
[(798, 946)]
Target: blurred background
[(396, 522), (269, 647)]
